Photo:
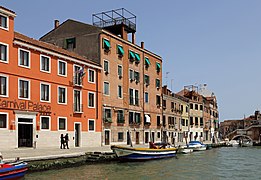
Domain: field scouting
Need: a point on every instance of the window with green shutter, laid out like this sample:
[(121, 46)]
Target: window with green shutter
[(137, 57), (120, 50), (146, 80), (157, 83), (147, 62), (106, 44), (131, 55), (158, 67)]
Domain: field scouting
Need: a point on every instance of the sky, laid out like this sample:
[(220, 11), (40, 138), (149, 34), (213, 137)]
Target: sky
[(217, 43)]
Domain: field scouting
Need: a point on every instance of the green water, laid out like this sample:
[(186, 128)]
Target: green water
[(220, 163)]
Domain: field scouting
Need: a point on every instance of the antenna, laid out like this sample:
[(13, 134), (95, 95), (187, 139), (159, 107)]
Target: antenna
[(167, 78)]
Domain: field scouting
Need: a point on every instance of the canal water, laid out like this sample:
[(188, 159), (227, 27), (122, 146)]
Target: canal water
[(219, 163)]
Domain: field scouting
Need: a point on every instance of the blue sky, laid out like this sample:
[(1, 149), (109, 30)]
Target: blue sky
[(200, 41)]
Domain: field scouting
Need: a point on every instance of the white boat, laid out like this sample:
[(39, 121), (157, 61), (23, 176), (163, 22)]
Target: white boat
[(184, 150), (233, 143), (197, 146)]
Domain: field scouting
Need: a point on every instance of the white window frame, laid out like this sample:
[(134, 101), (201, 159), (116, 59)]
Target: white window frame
[(58, 128), (121, 70), (80, 99), (29, 58), (131, 78), (7, 85), (89, 126), (58, 68), (43, 83), (49, 63), (94, 98), (108, 66), (94, 74), (104, 88), (7, 22), (121, 92), (29, 88), (58, 94), (7, 53), (7, 120), (49, 123)]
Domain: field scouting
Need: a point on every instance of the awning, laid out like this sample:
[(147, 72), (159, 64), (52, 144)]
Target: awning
[(147, 118), (106, 43), (147, 61), (120, 50), (216, 120), (131, 55), (158, 65), (137, 57)]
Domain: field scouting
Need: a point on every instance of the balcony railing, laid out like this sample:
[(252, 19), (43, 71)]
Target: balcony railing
[(77, 80), (107, 120)]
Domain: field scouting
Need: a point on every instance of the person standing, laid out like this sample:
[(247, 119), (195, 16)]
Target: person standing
[(66, 138), (62, 146)]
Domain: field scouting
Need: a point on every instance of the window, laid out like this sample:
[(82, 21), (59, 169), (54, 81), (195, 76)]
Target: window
[(158, 121), (106, 66), (107, 115), (62, 94), (119, 71), (136, 98), (45, 63), (157, 83), (106, 88), (196, 106), (120, 50), (3, 52), (131, 117), (172, 105), (106, 45), (78, 75), (120, 116), (24, 58), (91, 125), (131, 74), (3, 86), (3, 22), (62, 123), (164, 104), (120, 136), (131, 55), (131, 96), (146, 80), (137, 57), (119, 91), (196, 121), (158, 67), (70, 43), (3, 120), (201, 122), (137, 76), (191, 121), (183, 122), (157, 100), (191, 106), (147, 62), (91, 75), (77, 101), (24, 88), (45, 92), (164, 121), (45, 122), (158, 134), (146, 98), (62, 68), (201, 107), (137, 118), (91, 99)]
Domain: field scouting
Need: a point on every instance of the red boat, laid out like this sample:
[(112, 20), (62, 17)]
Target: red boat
[(14, 170)]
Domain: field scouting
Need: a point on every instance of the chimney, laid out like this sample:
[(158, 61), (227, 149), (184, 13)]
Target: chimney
[(56, 23), (133, 38), (142, 45)]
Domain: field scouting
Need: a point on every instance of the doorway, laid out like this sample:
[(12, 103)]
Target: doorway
[(137, 137), (77, 133), (107, 137), (128, 138), (25, 132), (146, 137)]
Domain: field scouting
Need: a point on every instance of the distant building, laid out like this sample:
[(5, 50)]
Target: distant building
[(131, 80)]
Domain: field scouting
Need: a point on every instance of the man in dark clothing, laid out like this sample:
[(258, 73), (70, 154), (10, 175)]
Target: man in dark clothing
[(62, 146), (66, 138)]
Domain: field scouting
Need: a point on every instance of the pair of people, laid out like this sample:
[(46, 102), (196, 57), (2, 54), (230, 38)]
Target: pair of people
[(64, 141)]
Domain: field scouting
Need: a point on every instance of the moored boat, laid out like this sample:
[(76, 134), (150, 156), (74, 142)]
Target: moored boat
[(14, 170), (184, 150), (141, 154), (197, 146)]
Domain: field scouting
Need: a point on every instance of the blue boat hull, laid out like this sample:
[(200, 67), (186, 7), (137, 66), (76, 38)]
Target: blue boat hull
[(13, 170), (140, 157)]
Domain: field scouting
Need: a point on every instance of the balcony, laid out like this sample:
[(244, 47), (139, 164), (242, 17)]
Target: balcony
[(107, 120), (77, 80), (77, 108)]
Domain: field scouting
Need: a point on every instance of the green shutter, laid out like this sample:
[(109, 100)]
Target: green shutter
[(131, 55), (137, 57), (120, 50), (158, 66), (147, 61), (106, 44)]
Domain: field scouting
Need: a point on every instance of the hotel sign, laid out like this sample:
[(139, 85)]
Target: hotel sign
[(25, 106)]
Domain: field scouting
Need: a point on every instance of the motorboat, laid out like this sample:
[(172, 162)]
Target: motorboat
[(184, 150), (13, 170), (233, 143), (196, 146)]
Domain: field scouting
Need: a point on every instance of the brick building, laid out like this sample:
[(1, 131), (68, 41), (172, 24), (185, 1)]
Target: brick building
[(131, 78), (44, 92)]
